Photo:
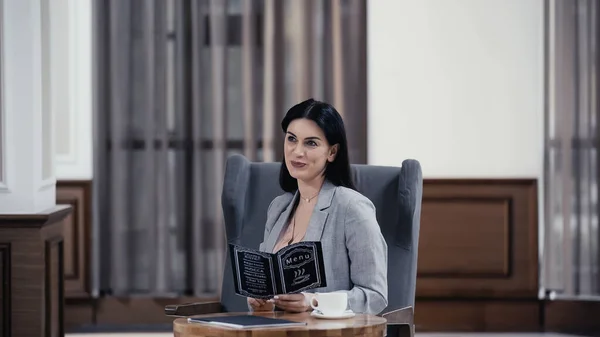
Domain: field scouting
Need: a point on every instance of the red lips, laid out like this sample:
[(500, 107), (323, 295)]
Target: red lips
[(297, 164)]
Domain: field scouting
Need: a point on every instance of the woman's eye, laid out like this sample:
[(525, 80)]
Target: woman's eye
[(311, 143), (290, 139)]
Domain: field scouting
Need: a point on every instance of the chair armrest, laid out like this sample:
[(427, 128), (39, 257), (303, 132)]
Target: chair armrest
[(400, 322), (192, 309), (400, 316)]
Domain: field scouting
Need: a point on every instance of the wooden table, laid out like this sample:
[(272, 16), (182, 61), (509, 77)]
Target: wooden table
[(359, 325)]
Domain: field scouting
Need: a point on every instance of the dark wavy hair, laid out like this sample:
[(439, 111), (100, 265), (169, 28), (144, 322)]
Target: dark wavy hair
[(329, 120)]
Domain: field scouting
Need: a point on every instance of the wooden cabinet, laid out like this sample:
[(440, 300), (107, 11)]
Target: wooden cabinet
[(31, 270)]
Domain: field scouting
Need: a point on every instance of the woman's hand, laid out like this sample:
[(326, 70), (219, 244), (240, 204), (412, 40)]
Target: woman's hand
[(292, 302), (258, 304)]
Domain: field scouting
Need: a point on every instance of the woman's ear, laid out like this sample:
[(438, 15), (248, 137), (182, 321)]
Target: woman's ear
[(332, 153)]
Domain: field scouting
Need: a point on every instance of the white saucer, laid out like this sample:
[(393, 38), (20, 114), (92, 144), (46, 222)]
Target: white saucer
[(346, 314)]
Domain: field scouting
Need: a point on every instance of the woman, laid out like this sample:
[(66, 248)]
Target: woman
[(322, 204)]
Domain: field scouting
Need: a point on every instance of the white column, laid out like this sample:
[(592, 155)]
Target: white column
[(27, 179), (71, 73)]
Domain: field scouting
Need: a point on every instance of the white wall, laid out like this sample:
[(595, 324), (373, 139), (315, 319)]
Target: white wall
[(71, 36), (458, 85)]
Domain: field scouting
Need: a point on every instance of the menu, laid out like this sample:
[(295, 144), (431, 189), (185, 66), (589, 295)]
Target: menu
[(293, 269)]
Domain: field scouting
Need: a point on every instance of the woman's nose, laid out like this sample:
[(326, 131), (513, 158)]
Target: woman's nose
[(298, 150)]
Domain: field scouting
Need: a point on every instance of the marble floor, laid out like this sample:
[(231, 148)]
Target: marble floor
[(163, 334), (137, 334), (117, 334)]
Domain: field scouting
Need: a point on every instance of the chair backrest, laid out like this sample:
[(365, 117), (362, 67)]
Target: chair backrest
[(396, 193)]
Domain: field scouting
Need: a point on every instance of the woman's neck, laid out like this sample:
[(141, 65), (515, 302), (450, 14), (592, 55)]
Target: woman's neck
[(310, 189)]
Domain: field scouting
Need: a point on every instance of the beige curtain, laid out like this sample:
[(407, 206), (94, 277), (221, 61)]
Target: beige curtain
[(182, 85)]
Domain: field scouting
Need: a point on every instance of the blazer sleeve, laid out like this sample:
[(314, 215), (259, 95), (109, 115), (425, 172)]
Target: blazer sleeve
[(367, 252)]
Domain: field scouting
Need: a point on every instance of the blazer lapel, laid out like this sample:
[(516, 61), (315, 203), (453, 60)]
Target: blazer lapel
[(319, 215), (280, 223)]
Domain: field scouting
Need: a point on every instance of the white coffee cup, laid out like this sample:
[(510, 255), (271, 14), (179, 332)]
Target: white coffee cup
[(330, 304)]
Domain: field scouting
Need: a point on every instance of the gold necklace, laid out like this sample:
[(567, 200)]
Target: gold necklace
[(308, 199), (294, 218)]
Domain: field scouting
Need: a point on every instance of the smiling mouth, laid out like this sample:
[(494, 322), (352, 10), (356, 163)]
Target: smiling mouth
[(297, 164)]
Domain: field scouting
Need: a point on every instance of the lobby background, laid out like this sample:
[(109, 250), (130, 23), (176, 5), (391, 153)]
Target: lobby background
[(460, 85)]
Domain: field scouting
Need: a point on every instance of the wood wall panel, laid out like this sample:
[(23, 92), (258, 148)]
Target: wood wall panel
[(465, 237), (54, 265), (477, 265), (77, 241), (572, 316), (477, 315), (79, 313), (5, 290), (141, 311), (478, 239), (477, 260)]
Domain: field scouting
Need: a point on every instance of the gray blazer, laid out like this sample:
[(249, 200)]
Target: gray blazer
[(354, 249)]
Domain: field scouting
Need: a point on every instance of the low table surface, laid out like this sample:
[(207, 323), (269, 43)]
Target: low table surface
[(359, 325)]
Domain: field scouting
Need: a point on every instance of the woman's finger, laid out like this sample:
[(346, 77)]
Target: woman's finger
[(290, 304), (290, 297), (292, 307), (260, 304), (256, 302)]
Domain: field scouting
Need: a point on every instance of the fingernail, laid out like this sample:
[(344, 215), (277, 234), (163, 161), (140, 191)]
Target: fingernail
[(276, 297)]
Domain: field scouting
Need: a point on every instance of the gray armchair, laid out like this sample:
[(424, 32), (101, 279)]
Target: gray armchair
[(396, 193)]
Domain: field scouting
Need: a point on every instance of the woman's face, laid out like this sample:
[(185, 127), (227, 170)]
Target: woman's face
[(306, 150)]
